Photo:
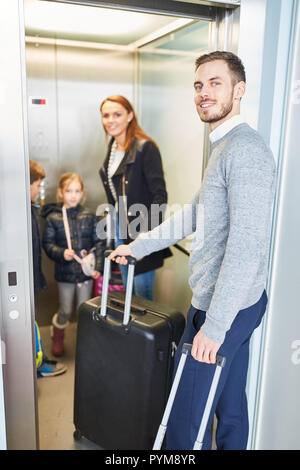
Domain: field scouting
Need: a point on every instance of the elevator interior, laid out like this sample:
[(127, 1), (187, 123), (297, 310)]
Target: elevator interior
[(272, 107), (78, 55)]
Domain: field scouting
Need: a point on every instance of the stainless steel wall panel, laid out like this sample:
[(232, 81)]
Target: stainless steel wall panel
[(42, 119), (66, 135), (84, 79)]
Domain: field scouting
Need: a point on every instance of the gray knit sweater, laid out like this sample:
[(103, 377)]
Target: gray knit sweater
[(230, 217)]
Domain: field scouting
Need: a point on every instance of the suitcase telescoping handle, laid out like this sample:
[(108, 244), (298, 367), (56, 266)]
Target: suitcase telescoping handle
[(220, 363), (129, 286)]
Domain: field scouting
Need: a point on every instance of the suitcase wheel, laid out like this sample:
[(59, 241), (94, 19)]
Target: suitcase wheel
[(77, 435)]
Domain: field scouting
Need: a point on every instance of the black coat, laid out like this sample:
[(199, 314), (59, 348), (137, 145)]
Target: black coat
[(139, 179), (38, 276), (82, 223)]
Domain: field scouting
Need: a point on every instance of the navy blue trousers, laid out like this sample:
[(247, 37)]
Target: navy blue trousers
[(230, 404)]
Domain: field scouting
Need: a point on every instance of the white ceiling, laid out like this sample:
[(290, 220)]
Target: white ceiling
[(89, 23)]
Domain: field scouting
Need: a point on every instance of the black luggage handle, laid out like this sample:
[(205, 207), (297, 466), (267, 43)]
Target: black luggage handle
[(187, 349), (130, 259)]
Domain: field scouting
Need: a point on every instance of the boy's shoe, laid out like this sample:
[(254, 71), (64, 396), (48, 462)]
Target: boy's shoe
[(51, 368)]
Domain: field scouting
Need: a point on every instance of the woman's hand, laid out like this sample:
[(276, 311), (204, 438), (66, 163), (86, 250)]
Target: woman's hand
[(69, 254), (119, 254)]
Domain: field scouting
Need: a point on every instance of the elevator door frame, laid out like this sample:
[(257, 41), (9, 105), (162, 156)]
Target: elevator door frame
[(206, 10), (17, 321), (16, 279)]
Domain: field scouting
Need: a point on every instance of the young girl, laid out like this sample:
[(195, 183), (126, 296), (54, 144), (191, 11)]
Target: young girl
[(68, 271)]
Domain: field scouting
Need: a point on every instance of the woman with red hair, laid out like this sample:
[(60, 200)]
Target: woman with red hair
[(133, 179)]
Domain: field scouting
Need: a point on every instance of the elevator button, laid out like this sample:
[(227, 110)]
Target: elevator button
[(14, 314), (13, 298)]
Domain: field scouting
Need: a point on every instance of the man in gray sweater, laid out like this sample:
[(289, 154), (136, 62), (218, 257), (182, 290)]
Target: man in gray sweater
[(230, 217)]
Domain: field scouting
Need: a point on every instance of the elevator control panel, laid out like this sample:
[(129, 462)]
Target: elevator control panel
[(12, 278), (12, 282), (13, 294)]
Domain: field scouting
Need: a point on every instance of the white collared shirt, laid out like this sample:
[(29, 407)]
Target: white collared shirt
[(225, 127)]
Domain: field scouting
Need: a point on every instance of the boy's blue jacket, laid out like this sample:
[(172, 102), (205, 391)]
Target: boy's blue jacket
[(82, 223)]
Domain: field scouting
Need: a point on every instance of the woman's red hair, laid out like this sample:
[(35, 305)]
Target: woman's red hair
[(134, 131)]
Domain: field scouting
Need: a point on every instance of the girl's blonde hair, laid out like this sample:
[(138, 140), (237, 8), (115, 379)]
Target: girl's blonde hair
[(64, 181)]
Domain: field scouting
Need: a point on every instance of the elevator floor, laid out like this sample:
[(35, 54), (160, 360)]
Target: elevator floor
[(55, 400)]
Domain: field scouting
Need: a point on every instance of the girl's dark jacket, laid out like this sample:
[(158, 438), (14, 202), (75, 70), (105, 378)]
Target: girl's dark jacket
[(139, 179), (82, 223)]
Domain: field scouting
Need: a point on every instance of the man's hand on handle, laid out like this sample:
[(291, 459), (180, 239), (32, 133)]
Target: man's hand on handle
[(118, 255), (204, 349)]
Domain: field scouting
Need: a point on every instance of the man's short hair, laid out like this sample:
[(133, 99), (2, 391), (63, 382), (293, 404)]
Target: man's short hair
[(36, 172), (234, 63)]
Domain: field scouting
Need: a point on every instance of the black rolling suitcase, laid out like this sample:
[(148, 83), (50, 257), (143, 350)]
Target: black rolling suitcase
[(123, 369)]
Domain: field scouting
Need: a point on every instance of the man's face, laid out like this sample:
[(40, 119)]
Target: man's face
[(214, 93)]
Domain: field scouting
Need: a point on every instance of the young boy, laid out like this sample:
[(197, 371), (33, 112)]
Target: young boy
[(45, 367)]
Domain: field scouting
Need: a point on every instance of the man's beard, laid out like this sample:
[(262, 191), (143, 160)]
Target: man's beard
[(225, 110)]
